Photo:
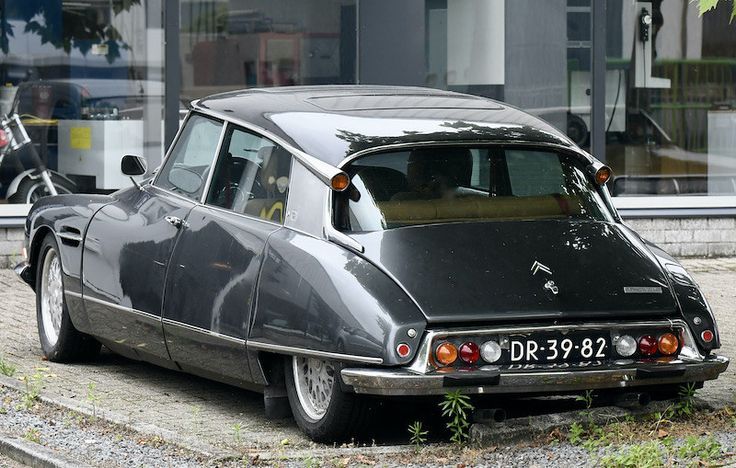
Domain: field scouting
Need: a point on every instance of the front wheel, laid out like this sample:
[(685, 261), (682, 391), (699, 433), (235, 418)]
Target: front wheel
[(320, 408), (60, 341)]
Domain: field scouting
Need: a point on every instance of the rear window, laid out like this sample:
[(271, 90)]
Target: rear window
[(460, 184)]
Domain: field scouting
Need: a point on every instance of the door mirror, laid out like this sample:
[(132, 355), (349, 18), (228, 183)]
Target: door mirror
[(132, 165)]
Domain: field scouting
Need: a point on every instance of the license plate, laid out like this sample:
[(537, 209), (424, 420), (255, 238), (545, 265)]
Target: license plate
[(552, 347)]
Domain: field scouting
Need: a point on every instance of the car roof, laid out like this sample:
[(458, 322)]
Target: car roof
[(333, 122)]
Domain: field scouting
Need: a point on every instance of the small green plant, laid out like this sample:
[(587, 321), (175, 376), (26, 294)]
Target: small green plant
[(7, 369), (311, 462), (33, 435), (237, 429), (587, 398), (645, 455), (33, 385), (702, 449), (417, 434), (93, 398), (576, 433), (456, 407), (685, 405)]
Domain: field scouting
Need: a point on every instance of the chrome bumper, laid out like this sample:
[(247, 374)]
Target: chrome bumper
[(23, 270), (613, 375)]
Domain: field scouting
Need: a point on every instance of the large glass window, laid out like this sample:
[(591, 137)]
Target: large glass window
[(86, 79), (528, 53), (460, 184), (252, 176), (187, 167), (237, 44), (672, 130)]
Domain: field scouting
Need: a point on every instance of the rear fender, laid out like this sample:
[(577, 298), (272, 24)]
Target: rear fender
[(318, 299)]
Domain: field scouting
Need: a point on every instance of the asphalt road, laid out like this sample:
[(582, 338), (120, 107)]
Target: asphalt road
[(201, 411)]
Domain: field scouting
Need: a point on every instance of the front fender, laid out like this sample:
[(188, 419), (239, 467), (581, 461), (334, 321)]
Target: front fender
[(317, 298), (67, 218)]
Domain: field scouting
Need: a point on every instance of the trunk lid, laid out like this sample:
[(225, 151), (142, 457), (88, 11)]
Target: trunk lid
[(497, 271)]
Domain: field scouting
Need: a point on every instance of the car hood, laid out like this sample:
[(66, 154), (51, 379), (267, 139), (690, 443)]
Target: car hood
[(497, 271)]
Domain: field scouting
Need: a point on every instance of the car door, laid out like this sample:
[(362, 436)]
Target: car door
[(129, 243), (215, 264)]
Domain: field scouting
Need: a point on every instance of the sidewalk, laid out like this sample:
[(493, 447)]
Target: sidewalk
[(208, 412)]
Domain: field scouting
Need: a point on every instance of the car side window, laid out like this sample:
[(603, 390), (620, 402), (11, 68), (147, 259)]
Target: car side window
[(251, 176), (186, 169)]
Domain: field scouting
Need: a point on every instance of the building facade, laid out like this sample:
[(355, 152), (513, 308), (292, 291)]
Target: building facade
[(649, 87)]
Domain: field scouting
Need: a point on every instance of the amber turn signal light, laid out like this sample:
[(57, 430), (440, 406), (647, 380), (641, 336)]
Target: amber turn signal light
[(602, 175), (446, 353), (668, 344), (339, 182)]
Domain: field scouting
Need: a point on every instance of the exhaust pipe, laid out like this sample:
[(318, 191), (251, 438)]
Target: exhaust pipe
[(632, 399), (489, 415)]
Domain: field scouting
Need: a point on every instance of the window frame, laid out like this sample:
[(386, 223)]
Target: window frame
[(208, 185), (223, 127)]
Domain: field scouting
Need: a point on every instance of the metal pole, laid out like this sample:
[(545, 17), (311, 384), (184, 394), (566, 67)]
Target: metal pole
[(172, 70), (598, 78)]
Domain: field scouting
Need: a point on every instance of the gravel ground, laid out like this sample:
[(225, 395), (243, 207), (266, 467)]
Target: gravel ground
[(89, 441), (8, 463)]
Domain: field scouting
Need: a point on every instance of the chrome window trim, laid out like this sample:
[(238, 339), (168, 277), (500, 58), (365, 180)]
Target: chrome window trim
[(203, 201), (170, 149), (421, 364), (204, 331), (321, 169), (292, 350), (183, 125), (213, 165), (526, 143), (175, 195)]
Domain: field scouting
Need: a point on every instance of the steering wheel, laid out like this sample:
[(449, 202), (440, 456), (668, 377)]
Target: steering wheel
[(231, 195)]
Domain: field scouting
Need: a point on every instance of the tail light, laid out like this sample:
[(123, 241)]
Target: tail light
[(626, 346), (469, 352), (491, 351), (668, 344), (707, 336), (4, 139), (403, 350), (648, 345), (446, 353)]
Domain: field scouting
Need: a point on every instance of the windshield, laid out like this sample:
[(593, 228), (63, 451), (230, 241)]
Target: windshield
[(464, 184)]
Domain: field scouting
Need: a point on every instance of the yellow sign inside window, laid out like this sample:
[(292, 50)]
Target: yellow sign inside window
[(80, 138)]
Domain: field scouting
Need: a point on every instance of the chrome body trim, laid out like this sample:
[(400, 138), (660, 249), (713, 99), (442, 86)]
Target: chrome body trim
[(383, 148), (203, 331), (294, 351), (121, 308), (70, 236), (402, 382), (421, 363), (420, 378)]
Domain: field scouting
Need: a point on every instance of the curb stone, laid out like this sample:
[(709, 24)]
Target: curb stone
[(189, 443), (513, 430), (34, 455)]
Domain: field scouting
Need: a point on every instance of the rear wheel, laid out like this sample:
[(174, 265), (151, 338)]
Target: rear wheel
[(320, 408), (60, 341)]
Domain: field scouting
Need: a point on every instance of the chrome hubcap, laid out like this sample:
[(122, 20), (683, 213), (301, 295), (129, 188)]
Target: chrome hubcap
[(314, 384), (52, 296)]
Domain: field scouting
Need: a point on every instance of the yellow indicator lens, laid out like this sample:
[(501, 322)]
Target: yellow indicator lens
[(340, 182), (446, 353), (668, 344)]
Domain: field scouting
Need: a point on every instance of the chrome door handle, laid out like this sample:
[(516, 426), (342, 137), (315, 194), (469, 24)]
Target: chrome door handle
[(176, 222)]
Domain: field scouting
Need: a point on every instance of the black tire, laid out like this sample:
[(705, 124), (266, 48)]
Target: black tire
[(71, 345), (30, 190), (346, 413)]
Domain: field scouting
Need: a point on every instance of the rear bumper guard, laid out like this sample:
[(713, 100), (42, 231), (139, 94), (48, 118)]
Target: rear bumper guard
[(614, 375)]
